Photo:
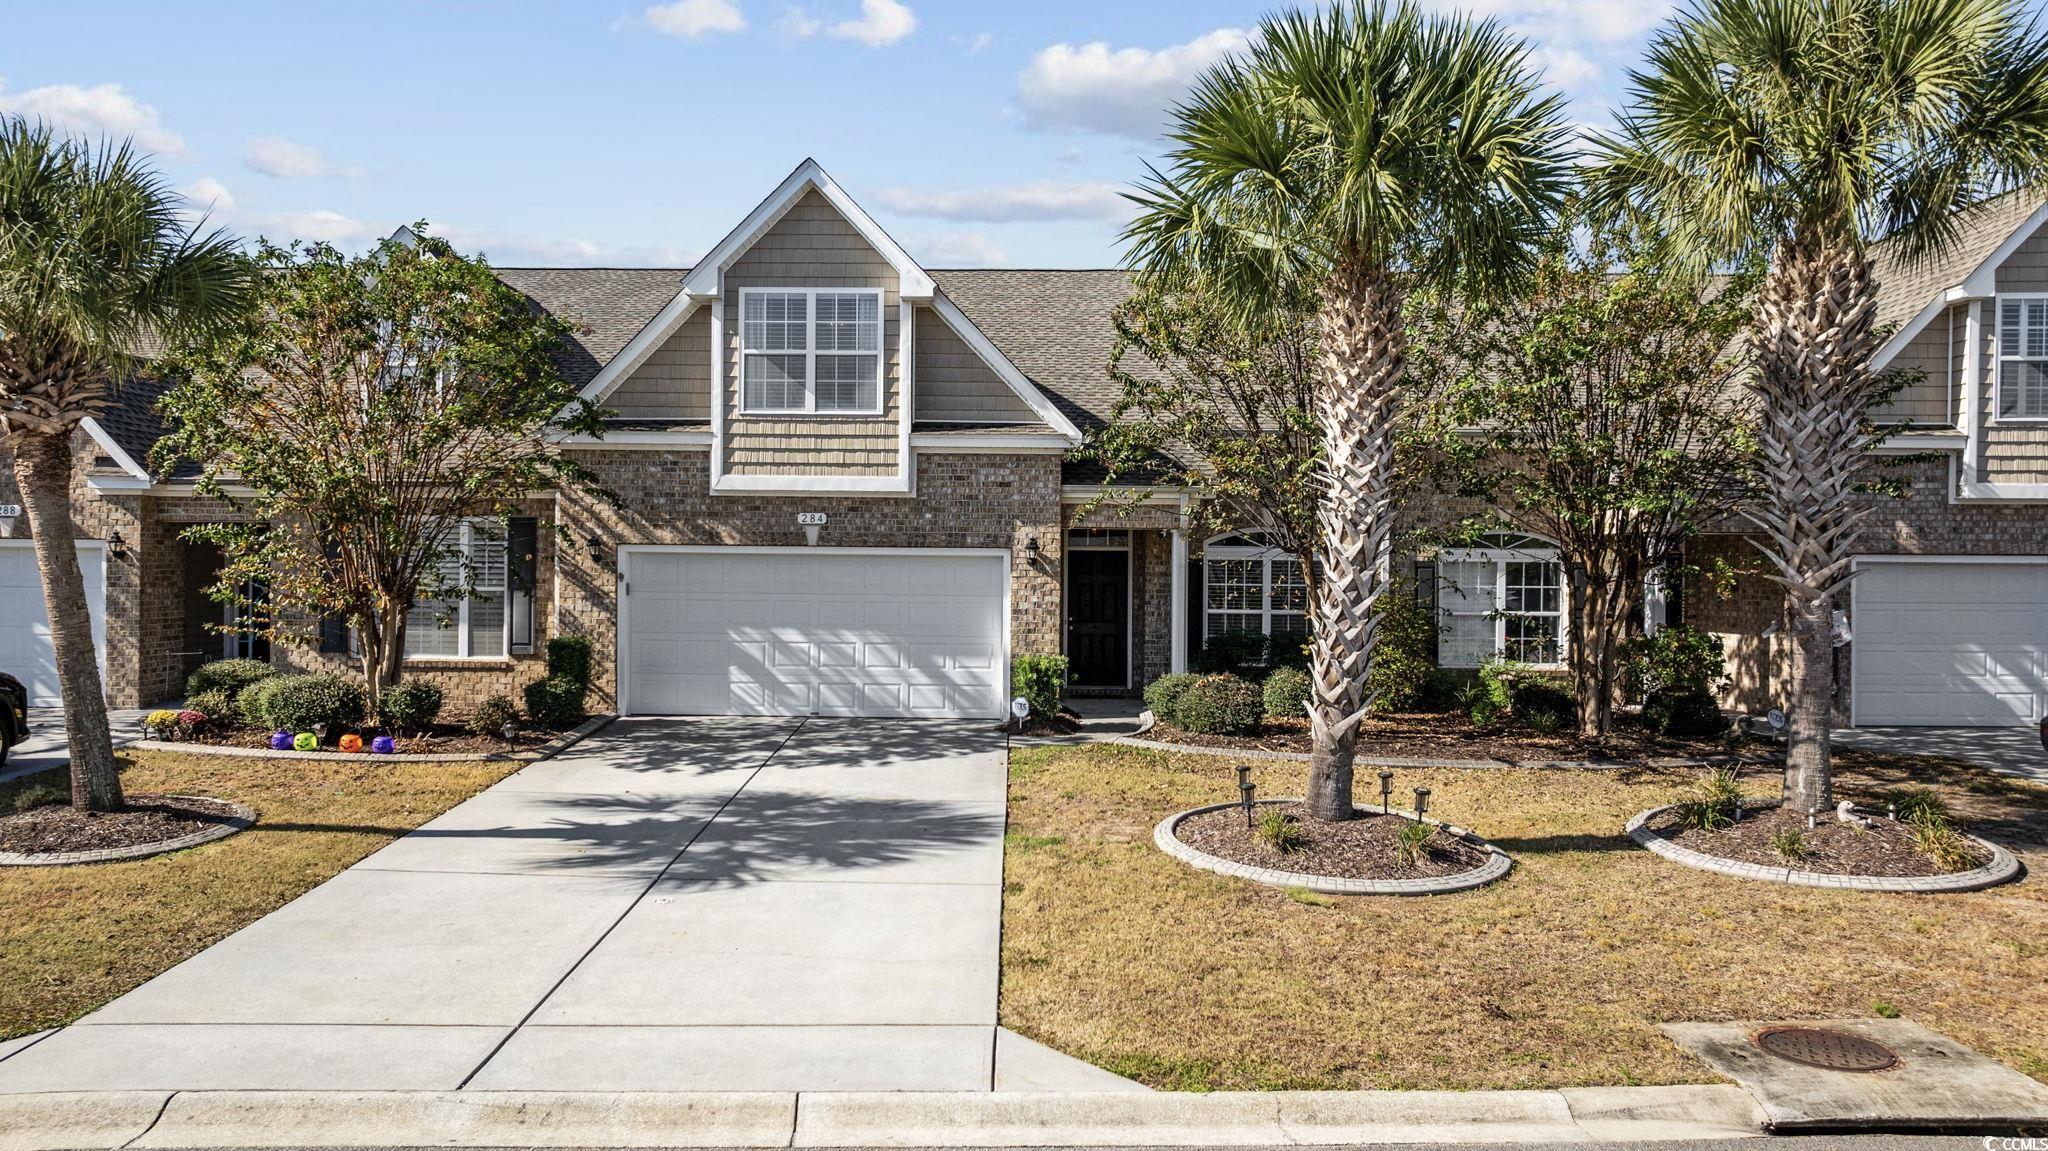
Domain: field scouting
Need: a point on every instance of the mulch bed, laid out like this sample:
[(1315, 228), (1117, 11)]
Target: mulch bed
[(438, 740), (1362, 848), (1448, 735), (1883, 849), (57, 828)]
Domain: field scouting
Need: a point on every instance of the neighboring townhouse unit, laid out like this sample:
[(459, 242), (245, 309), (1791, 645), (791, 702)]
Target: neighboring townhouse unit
[(843, 489)]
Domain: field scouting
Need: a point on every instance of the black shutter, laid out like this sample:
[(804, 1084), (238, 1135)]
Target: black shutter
[(1197, 604), (522, 549), (333, 628)]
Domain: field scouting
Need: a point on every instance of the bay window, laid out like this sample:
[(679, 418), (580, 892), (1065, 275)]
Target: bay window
[(1504, 597), (810, 350), (2023, 357)]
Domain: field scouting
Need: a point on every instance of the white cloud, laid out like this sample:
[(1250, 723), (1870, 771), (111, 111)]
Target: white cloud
[(880, 23), (277, 156), (208, 196), (1040, 201), (104, 110), (1605, 20), (975, 43), (509, 250), (960, 250), (694, 19), (1120, 91), (319, 224), (1564, 66)]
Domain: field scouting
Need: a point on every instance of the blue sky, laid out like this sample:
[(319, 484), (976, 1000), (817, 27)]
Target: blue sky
[(595, 133)]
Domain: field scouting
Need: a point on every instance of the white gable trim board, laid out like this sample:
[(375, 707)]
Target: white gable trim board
[(707, 278), (884, 632)]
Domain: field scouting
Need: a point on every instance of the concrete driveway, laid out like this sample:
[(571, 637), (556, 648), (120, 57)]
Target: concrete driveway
[(2014, 751), (682, 905)]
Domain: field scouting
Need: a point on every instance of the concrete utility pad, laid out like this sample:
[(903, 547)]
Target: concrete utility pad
[(1937, 1083)]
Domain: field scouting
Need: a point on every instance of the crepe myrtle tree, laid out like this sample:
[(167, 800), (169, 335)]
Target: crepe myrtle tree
[(1219, 401), (1600, 407), (97, 261), (371, 405), (1798, 132), (1351, 155)]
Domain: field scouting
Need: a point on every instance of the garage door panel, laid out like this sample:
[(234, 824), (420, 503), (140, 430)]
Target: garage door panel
[(809, 633), (1961, 644), (26, 651)]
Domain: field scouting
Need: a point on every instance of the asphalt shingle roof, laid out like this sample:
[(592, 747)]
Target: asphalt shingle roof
[(1904, 288), (606, 307)]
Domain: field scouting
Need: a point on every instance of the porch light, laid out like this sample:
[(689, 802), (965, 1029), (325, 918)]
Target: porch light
[(1031, 550), (116, 546)]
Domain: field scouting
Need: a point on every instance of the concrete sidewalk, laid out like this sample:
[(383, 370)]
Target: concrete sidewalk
[(701, 905), (46, 746)]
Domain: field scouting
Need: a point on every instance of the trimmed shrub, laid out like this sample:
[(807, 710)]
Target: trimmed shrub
[(229, 675), (555, 702), (1285, 693), (569, 658), (1220, 705), (1686, 715), (216, 704), (297, 703), (1041, 679), (1163, 695), (1677, 661), (409, 705), (1288, 649), (491, 716), (249, 701), (1230, 652), (1402, 677)]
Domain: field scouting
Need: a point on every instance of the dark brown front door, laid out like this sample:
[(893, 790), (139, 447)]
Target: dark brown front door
[(1098, 618)]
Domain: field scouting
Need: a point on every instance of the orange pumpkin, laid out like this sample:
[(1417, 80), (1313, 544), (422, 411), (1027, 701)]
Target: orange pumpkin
[(351, 742)]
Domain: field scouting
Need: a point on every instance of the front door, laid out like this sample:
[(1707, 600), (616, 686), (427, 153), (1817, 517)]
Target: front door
[(1098, 618)]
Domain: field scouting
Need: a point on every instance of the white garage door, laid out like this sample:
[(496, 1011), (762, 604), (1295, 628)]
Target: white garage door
[(1951, 644), (25, 651), (802, 631)]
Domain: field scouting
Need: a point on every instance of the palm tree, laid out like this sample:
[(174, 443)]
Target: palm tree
[(1798, 131), (95, 262), (1355, 154)]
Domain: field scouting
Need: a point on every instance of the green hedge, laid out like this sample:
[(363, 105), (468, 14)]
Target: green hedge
[(1220, 705), (299, 702), (1286, 693), (1041, 679), (555, 702), (569, 658), (1162, 695), (409, 705), (229, 675)]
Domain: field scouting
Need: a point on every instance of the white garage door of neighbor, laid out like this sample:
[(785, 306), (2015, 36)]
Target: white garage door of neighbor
[(25, 650), (804, 631), (1950, 644)]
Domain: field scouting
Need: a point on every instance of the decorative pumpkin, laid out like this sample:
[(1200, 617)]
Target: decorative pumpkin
[(306, 741), (383, 745), (280, 741), (351, 742)]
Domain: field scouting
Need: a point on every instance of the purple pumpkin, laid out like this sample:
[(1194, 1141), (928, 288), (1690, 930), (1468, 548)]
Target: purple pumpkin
[(280, 741), (383, 745)]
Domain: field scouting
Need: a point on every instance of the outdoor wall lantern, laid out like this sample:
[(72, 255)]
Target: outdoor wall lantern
[(1245, 788), (117, 547), (1031, 550), (1421, 803), (1386, 792)]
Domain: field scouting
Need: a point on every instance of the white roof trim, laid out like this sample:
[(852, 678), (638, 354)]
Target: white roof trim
[(106, 442), (703, 279), (642, 345), (1981, 283), (1001, 365), (683, 438)]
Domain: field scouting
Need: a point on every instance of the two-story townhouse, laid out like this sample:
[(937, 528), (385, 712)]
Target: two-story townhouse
[(843, 488)]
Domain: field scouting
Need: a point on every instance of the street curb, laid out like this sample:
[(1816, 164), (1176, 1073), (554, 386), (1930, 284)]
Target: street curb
[(2003, 866), (109, 1120), (548, 750)]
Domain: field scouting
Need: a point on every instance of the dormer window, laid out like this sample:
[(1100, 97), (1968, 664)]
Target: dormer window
[(810, 350), (2023, 357)]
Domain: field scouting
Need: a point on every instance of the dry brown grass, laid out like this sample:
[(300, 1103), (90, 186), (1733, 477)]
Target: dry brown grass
[(72, 938), (1556, 976)]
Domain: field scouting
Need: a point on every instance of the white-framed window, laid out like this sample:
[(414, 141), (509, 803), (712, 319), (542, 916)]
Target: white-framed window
[(1248, 586), (475, 626), (1504, 597), (810, 350), (2023, 357)]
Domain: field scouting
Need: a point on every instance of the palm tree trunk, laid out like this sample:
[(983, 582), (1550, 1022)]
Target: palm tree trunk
[(1363, 348), (1814, 340), (42, 470)]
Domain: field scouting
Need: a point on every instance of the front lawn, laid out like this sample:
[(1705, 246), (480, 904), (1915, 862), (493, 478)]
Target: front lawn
[(1555, 976), (72, 938)]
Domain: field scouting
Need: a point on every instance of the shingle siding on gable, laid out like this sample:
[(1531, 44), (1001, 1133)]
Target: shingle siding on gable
[(675, 382), (813, 246), (1930, 401), (954, 383), (2013, 453)]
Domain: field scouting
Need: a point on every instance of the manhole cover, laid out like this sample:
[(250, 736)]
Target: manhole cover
[(1826, 1049)]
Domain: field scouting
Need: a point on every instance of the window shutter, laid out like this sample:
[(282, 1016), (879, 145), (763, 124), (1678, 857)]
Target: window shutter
[(522, 543), (333, 628)]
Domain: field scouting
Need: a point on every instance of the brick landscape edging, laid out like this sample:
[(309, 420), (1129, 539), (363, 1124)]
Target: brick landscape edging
[(2003, 866), (553, 747), (240, 816), (1496, 865)]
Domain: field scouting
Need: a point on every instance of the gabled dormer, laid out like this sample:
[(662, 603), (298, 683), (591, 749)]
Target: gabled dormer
[(810, 344)]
